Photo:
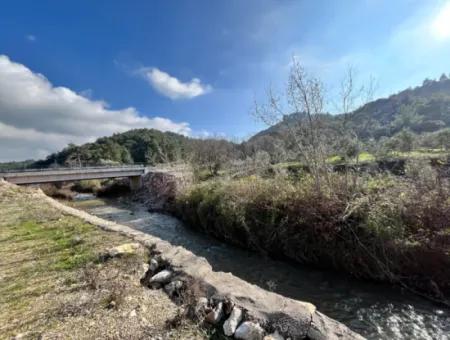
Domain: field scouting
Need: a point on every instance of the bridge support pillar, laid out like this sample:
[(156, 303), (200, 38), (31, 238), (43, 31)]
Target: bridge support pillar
[(135, 182)]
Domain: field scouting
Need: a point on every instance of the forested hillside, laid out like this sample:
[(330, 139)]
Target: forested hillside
[(422, 109), (414, 118), (136, 146)]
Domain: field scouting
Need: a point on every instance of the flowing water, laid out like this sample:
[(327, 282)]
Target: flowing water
[(374, 310)]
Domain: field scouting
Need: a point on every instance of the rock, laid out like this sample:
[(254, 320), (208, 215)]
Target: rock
[(133, 314), (143, 271), (123, 249), (249, 331), (324, 328), (214, 316), (153, 265), (173, 287), (274, 336), (228, 306), (162, 277), (76, 240), (229, 327), (201, 306)]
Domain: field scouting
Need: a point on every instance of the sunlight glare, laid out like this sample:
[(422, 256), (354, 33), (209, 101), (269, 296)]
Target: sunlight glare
[(441, 24)]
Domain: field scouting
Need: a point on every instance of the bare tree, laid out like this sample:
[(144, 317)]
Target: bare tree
[(304, 103), (211, 154), (352, 96), (302, 109)]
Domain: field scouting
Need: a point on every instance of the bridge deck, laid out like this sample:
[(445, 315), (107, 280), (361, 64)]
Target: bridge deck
[(35, 176)]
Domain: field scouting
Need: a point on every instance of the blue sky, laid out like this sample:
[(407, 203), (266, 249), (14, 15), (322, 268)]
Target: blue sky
[(202, 63)]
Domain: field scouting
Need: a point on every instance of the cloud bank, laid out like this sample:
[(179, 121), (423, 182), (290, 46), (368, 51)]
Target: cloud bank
[(37, 118), (171, 87)]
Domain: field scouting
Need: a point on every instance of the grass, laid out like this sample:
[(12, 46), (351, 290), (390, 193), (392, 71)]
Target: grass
[(380, 227), (367, 157), (53, 285)]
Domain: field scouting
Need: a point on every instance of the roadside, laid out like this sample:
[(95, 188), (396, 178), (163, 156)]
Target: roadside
[(54, 285)]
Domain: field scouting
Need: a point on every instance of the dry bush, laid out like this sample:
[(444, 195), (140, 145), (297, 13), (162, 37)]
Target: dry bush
[(385, 228), (57, 191)]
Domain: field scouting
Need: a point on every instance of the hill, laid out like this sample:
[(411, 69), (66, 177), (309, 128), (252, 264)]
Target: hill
[(415, 117), (135, 146), (421, 114)]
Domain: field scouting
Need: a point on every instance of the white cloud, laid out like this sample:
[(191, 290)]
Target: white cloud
[(37, 118), (31, 37), (171, 87)]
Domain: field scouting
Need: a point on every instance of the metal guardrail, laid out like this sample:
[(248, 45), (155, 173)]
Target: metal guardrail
[(128, 166)]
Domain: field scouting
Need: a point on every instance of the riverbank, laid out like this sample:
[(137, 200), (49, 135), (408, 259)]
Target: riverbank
[(218, 299), (374, 310), (53, 283), (385, 228)]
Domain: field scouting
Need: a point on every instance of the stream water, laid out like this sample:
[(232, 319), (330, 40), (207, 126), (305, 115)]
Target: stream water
[(374, 310)]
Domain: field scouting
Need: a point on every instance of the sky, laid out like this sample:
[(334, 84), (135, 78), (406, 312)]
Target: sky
[(72, 71)]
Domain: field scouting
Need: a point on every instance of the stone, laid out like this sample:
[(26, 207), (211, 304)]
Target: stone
[(162, 277), (123, 249), (274, 336), (172, 287), (297, 319), (143, 271), (249, 331), (324, 328), (214, 316), (76, 240), (153, 265), (201, 306), (133, 313), (229, 327)]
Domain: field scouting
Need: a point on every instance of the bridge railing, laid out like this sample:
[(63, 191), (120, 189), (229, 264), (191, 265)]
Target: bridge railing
[(122, 166)]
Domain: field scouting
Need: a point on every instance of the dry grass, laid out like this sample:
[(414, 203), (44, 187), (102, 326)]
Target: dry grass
[(53, 286)]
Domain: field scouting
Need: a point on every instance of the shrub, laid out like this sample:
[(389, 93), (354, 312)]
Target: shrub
[(385, 228)]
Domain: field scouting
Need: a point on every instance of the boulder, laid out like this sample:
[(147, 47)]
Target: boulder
[(214, 316), (324, 328), (172, 287), (229, 327), (162, 277), (201, 306), (153, 265), (274, 336), (143, 271), (249, 331)]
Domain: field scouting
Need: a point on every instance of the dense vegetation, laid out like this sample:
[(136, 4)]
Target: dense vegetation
[(366, 191), (386, 220), (136, 146), (383, 227), (413, 119)]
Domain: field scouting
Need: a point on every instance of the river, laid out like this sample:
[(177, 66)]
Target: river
[(376, 311)]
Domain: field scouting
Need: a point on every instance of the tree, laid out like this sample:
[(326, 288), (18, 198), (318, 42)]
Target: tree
[(211, 154), (304, 96), (301, 109), (443, 138), (403, 141)]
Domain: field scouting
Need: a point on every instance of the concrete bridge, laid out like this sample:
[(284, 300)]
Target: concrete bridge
[(38, 176)]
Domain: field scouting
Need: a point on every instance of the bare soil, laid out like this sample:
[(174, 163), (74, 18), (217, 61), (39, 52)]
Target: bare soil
[(53, 284)]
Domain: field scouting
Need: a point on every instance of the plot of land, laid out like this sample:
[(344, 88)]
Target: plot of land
[(54, 286)]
